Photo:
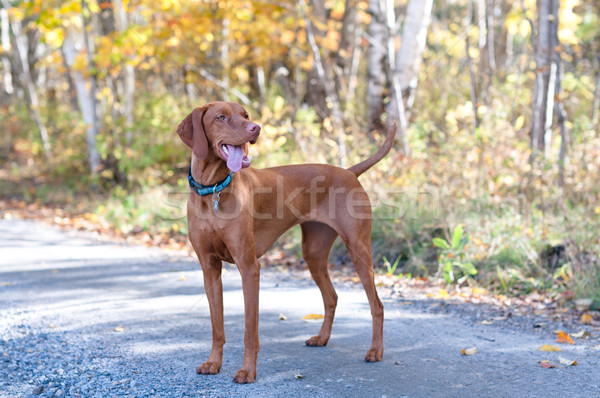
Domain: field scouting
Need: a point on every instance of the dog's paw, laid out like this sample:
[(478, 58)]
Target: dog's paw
[(208, 368), (374, 354), (316, 341), (244, 377)]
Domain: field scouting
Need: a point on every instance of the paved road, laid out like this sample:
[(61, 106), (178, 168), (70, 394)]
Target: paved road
[(81, 317)]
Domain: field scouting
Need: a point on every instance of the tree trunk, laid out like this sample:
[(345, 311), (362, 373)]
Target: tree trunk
[(328, 84), (120, 24), (33, 102), (72, 46), (544, 50), (414, 36), (396, 110), (564, 131), (376, 58), (6, 64)]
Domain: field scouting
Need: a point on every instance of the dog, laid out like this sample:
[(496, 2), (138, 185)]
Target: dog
[(236, 212)]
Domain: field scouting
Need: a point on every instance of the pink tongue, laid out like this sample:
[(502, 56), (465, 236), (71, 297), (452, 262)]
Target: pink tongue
[(234, 157)]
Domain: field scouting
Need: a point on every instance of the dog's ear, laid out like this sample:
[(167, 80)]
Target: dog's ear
[(191, 131)]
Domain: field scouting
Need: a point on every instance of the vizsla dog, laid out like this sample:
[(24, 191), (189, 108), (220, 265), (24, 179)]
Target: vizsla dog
[(235, 213)]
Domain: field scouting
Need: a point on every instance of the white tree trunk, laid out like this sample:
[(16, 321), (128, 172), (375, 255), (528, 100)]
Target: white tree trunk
[(121, 24), (33, 102), (542, 114), (414, 36), (376, 58), (73, 44), (5, 37), (396, 110)]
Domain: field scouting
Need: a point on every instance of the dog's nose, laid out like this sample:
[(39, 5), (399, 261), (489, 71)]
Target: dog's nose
[(253, 128)]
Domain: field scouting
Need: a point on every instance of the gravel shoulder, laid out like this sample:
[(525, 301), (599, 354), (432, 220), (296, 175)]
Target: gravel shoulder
[(91, 318)]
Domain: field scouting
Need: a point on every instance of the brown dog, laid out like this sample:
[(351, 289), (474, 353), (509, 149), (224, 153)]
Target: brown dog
[(237, 217)]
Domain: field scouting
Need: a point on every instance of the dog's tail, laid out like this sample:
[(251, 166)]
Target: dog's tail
[(365, 165)]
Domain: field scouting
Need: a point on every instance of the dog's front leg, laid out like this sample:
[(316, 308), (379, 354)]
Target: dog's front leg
[(213, 286), (250, 273)]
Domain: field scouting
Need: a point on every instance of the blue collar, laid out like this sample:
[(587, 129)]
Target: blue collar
[(204, 190)]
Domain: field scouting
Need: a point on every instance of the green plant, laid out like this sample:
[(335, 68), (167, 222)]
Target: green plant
[(452, 264), (390, 268)]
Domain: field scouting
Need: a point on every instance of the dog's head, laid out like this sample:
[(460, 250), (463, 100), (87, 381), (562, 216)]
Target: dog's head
[(222, 129)]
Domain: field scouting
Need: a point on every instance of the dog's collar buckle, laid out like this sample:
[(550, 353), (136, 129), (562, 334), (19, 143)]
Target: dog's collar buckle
[(204, 190)]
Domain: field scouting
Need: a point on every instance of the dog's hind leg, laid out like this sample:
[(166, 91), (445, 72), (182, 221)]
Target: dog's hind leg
[(317, 240)]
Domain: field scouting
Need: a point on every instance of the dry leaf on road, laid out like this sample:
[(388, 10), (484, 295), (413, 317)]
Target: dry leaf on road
[(312, 317), (565, 361), (549, 348), (547, 364), (564, 338), (469, 351), (586, 319)]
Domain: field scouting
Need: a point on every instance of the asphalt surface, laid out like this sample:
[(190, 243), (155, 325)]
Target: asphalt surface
[(91, 318)]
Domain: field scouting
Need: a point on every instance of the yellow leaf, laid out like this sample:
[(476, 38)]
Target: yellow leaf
[(586, 319), (282, 317), (478, 290), (442, 293), (313, 317), (484, 322), (119, 329), (469, 351), (549, 348)]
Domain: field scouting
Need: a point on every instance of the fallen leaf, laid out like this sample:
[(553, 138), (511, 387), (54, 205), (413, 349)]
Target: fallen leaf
[(313, 317), (565, 361), (546, 364), (442, 293), (298, 375), (485, 322), (469, 351), (549, 348), (586, 319), (4, 284), (582, 334), (564, 338), (478, 290), (183, 278), (355, 279), (119, 328), (282, 317)]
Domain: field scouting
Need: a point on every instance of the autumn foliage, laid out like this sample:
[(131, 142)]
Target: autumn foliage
[(109, 81)]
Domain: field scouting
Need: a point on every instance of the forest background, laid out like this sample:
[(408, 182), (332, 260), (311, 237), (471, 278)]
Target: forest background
[(494, 178)]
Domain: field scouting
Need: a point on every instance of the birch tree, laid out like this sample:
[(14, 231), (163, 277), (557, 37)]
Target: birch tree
[(376, 58), (410, 53), (545, 75), (73, 45), (33, 103)]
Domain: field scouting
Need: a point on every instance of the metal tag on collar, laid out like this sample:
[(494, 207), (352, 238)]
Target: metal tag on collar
[(216, 197)]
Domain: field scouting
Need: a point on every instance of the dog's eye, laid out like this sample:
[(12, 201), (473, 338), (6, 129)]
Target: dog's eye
[(246, 116), (221, 117)]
